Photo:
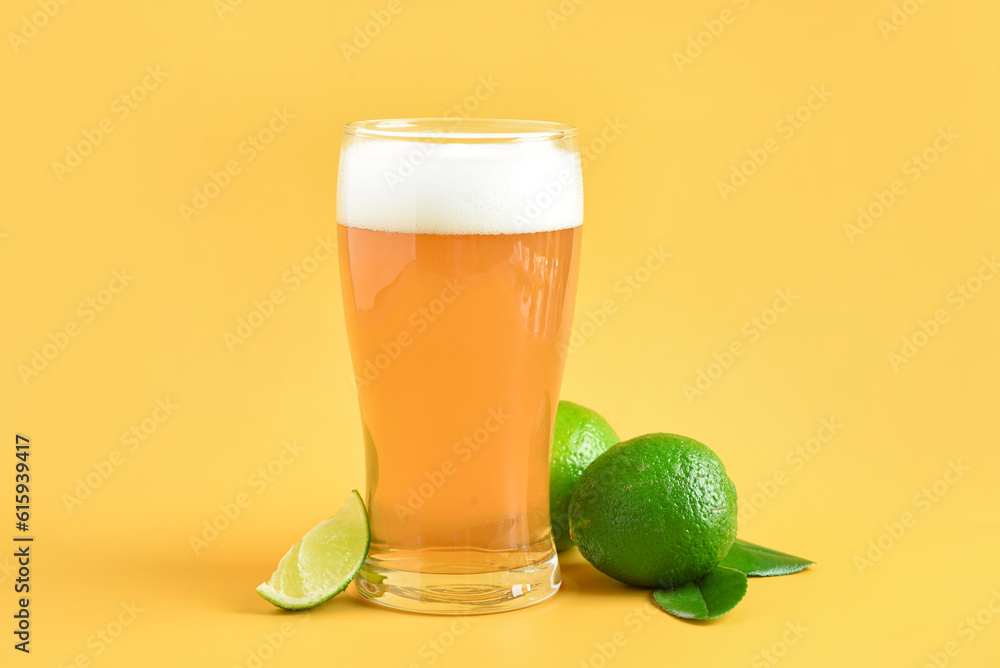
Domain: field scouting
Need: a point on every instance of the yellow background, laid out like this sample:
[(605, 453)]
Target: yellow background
[(682, 129)]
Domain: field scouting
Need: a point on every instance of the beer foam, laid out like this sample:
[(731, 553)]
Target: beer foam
[(459, 188)]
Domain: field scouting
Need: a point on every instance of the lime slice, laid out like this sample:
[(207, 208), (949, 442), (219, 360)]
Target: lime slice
[(324, 562)]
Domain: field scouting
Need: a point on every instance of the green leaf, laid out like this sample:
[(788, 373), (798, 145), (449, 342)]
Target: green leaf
[(761, 561), (708, 597)]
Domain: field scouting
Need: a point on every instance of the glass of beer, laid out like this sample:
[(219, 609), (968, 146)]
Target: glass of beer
[(459, 246)]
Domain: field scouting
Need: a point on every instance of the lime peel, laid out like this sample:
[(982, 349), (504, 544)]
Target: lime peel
[(669, 534), (579, 436)]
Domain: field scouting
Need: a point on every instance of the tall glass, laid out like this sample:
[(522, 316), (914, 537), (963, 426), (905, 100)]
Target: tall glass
[(459, 247)]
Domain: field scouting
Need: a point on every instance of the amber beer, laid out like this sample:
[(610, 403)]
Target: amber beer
[(458, 285)]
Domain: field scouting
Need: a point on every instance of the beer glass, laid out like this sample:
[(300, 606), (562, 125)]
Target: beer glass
[(459, 246)]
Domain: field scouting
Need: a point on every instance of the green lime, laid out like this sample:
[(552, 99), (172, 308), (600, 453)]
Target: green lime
[(324, 562), (580, 436), (654, 511)]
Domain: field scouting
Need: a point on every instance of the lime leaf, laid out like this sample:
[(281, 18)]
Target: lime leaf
[(324, 562), (708, 597), (761, 561)]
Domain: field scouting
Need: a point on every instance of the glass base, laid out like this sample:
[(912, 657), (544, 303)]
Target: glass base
[(459, 594)]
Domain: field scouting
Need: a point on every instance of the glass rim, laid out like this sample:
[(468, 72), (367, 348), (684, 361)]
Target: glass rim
[(460, 129)]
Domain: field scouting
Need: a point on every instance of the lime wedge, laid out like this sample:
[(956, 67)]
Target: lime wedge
[(324, 562)]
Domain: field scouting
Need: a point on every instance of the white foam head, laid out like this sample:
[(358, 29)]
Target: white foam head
[(456, 187)]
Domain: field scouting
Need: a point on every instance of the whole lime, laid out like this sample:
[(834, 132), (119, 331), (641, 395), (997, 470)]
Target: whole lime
[(580, 436), (654, 511)]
